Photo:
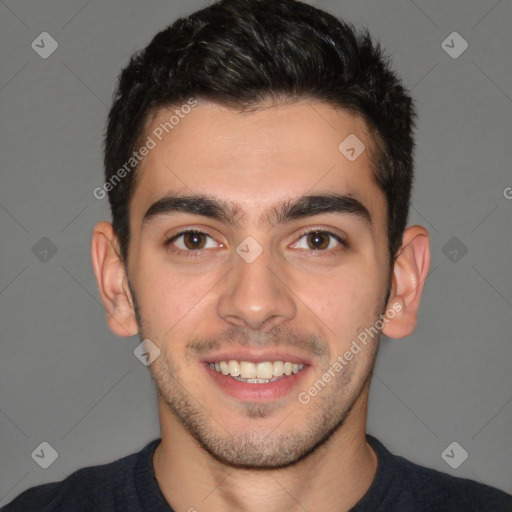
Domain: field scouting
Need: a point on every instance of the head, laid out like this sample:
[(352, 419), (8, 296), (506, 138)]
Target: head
[(232, 123)]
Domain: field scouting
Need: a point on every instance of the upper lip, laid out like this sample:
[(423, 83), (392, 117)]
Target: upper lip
[(255, 356)]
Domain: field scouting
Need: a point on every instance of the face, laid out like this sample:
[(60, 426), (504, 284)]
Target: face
[(258, 255)]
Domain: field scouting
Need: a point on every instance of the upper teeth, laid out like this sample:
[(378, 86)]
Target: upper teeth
[(263, 370)]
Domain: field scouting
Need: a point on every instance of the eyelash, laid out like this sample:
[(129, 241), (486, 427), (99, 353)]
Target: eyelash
[(199, 252)]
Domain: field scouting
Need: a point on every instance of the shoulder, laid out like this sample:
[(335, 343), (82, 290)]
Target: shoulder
[(105, 487), (448, 492), (429, 489)]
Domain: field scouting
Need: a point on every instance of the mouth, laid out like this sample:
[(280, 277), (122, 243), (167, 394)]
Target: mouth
[(256, 380), (256, 373)]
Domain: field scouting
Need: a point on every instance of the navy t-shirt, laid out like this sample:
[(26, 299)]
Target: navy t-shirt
[(129, 485)]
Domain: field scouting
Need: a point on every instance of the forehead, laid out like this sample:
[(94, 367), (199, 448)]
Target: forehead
[(255, 158)]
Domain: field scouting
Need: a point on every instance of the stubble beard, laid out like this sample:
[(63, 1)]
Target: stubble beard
[(323, 416), (284, 445)]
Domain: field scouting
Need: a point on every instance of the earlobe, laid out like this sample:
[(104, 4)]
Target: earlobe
[(112, 281), (408, 280)]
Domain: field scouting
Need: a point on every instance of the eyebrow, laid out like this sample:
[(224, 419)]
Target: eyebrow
[(229, 213)]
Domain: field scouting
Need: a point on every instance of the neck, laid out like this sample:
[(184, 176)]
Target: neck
[(333, 477)]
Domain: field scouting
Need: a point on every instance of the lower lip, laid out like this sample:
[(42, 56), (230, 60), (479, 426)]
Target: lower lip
[(256, 392)]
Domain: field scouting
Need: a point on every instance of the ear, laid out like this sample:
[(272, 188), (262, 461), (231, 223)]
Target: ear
[(112, 280), (409, 274)]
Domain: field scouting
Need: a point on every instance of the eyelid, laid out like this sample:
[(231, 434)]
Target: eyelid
[(189, 229), (341, 239), (168, 240)]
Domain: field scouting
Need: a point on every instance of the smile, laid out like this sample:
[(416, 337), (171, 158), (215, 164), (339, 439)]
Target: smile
[(256, 373)]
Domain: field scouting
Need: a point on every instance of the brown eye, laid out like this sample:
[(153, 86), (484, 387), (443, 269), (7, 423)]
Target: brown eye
[(318, 240), (194, 241), (191, 241)]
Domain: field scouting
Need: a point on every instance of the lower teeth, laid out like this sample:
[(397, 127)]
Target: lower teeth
[(256, 381)]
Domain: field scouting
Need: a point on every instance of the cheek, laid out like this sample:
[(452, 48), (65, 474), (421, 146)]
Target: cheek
[(346, 301), (171, 302)]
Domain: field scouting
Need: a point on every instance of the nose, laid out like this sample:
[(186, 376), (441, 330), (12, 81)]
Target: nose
[(256, 295)]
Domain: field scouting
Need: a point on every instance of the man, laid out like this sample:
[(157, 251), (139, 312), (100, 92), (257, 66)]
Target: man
[(259, 159)]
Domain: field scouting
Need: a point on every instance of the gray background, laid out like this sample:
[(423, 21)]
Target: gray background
[(67, 380)]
